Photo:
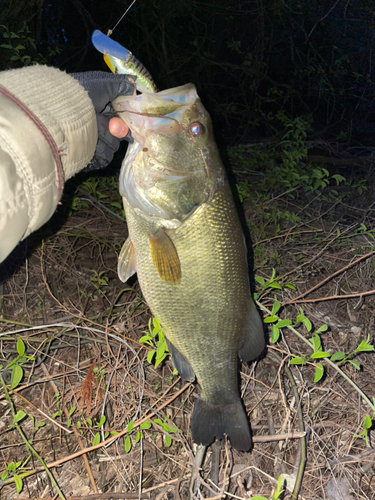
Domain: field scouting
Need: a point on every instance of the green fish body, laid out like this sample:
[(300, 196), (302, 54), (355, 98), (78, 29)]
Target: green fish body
[(187, 246)]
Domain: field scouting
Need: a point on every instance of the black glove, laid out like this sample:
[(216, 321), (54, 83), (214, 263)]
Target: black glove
[(103, 88)]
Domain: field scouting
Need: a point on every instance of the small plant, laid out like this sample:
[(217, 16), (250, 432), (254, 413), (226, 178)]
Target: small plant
[(99, 280), (15, 365), (128, 441), (166, 428), (271, 283), (155, 338), (22, 47), (275, 495)]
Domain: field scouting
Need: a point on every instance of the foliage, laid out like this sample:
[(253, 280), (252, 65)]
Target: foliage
[(155, 338), (22, 49), (15, 365), (275, 495)]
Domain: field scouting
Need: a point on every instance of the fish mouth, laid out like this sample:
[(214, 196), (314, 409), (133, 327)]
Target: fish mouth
[(160, 112)]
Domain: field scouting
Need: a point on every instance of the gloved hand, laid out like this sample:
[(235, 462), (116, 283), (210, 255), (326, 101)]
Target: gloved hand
[(103, 88)]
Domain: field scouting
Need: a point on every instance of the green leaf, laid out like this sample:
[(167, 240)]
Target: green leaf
[(298, 360), (127, 444), (320, 354), (367, 422), (20, 346), (96, 439), (102, 421), (317, 345), (275, 285), (284, 322), (259, 279), (106, 434), (275, 334), (322, 329), (307, 323), (146, 339), (168, 441), (289, 285), (19, 416), (69, 422), (137, 437), (271, 319), (18, 482), (150, 355), (20, 47), (4, 475), (319, 372), (145, 425), (89, 421), (72, 410), (338, 356), (6, 46), (17, 374), (365, 346), (258, 498), (158, 421), (166, 427), (130, 426), (275, 308), (356, 365)]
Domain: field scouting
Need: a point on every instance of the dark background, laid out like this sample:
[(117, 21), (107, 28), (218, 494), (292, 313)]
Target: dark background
[(249, 59)]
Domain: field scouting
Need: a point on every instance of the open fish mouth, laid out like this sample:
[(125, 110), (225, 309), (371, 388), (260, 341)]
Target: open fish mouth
[(165, 173), (161, 112)]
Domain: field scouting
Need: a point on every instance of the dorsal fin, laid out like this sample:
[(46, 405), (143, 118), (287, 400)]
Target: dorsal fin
[(165, 258)]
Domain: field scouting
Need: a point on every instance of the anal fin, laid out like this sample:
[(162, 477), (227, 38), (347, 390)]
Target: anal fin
[(254, 341), (126, 266), (181, 364), (165, 258)]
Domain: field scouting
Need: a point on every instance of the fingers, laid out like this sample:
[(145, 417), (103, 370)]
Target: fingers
[(118, 127)]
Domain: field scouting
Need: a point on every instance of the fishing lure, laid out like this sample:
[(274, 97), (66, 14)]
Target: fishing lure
[(121, 60)]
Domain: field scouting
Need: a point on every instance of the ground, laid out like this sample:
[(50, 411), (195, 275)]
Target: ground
[(81, 327)]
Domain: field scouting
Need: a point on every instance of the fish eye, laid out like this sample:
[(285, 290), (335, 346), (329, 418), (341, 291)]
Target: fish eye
[(196, 129)]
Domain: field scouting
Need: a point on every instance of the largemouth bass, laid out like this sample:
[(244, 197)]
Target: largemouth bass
[(187, 246)]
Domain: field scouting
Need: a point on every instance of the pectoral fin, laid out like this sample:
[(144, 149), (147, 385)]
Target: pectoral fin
[(165, 258), (181, 364), (126, 262)]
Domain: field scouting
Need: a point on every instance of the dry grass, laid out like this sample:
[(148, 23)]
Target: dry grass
[(68, 326)]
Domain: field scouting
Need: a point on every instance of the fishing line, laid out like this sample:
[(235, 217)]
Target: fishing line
[(110, 31)]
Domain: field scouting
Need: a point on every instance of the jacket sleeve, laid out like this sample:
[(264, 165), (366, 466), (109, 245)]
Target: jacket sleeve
[(48, 133)]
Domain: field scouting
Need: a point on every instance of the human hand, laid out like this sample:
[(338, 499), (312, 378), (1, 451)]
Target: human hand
[(103, 88), (118, 127)]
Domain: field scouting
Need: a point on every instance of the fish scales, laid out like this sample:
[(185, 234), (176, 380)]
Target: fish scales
[(205, 306)]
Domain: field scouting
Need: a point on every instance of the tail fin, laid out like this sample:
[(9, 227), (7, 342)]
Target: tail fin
[(211, 421)]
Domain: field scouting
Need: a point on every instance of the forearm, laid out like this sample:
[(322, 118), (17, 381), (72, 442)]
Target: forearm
[(31, 180)]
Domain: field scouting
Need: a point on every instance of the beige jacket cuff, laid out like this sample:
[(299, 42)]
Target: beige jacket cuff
[(29, 187)]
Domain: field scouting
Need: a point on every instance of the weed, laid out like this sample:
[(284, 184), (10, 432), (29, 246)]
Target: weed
[(275, 494), (15, 365), (99, 280), (155, 338), (22, 47)]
